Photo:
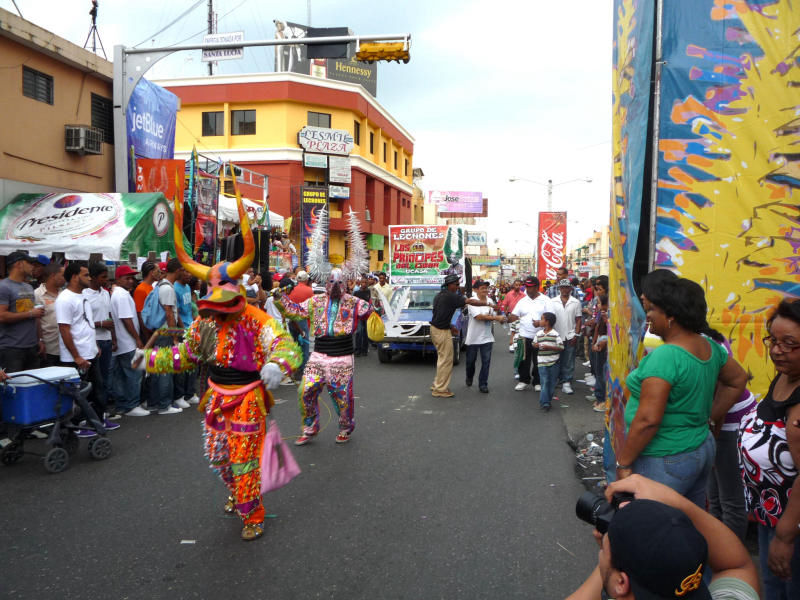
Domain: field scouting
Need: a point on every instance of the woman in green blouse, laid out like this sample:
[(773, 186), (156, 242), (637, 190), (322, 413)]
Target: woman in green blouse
[(677, 390)]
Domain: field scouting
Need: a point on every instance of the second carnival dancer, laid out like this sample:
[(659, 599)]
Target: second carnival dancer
[(334, 318), (248, 353)]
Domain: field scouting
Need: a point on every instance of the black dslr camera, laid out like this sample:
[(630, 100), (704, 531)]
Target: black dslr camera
[(595, 510)]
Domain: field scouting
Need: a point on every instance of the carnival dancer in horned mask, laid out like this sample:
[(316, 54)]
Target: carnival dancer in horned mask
[(247, 353), (334, 319)]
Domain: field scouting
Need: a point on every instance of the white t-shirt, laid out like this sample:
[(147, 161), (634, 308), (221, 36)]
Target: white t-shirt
[(100, 302), (123, 307), (167, 297), (565, 316), (529, 310), (74, 310), (479, 332)]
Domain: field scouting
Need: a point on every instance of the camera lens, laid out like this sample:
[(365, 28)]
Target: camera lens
[(589, 505)]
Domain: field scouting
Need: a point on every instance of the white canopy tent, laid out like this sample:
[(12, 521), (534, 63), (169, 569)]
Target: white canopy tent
[(228, 212)]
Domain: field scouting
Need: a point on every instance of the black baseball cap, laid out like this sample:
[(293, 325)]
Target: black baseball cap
[(661, 551), (451, 279), (531, 282), (17, 256), (480, 283)]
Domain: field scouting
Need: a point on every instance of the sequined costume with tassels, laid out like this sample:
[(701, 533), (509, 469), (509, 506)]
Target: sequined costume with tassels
[(247, 352), (334, 317)]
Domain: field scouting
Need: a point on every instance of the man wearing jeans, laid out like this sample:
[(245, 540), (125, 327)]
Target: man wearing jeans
[(125, 379), (162, 389), (480, 337), (100, 301), (567, 309), (20, 339), (528, 312), (445, 305)]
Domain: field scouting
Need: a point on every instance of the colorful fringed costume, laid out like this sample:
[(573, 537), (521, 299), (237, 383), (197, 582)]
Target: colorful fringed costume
[(334, 317), (247, 353), (333, 322)]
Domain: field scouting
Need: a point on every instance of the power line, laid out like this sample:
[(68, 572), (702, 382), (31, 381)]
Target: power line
[(171, 23)]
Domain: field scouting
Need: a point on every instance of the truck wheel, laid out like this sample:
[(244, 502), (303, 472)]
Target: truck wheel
[(456, 352), (384, 356)]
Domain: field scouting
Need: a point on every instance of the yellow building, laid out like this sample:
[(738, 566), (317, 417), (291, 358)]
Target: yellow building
[(255, 121), (59, 124)]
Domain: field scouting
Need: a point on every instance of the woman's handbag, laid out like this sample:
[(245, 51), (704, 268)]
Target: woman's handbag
[(278, 466), (375, 329)]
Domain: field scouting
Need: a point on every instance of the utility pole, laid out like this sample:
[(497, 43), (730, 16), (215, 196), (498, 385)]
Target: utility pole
[(210, 31)]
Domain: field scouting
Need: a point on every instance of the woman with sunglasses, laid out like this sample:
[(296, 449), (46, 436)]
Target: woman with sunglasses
[(769, 453)]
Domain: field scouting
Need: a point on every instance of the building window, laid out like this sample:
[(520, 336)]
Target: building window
[(380, 255), (384, 151), (214, 123), (357, 133), (37, 85), (103, 117), (405, 170), (243, 122), (316, 119), (395, 160), (371, 143)]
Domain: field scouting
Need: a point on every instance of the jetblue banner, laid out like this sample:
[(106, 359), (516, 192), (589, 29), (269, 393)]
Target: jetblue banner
[(150, 119)]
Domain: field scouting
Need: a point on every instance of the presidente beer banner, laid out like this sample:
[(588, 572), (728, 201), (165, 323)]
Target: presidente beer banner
[(79, 225), (425, 253), (552, 244)]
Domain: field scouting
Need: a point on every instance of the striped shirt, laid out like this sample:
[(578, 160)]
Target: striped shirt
[(548, 356)]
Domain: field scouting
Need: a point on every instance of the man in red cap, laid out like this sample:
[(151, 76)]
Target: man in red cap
[(125, 380)]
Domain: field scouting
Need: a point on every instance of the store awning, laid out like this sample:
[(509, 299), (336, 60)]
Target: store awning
[(229, 213)]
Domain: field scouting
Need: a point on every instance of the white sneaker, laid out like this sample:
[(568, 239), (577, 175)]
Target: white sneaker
[(567, 388), (590, 380), (537, 388), (138, 412), (181, 403), (516, 375), (194, 400), (588, 363), (520, 386), (170, 411), (512, 348)]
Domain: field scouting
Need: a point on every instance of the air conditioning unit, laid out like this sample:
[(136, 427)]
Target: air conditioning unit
[(83, 139), (367, 215)]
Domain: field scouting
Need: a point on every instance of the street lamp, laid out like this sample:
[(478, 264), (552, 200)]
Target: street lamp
[(550, 185)]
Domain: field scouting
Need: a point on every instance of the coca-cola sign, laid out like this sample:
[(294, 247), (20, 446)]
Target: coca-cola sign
[(552, 245)]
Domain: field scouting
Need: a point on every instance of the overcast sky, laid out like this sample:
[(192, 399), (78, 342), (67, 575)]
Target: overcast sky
[(493, 90)]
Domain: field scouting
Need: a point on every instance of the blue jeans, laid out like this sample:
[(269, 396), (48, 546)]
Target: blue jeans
[(126, 382), (184, 384), (486, 360), (105, 365), (686, 473), (548, 376), (774, 588), (567, 361), (362, 340), (600, 375), (161, 386)]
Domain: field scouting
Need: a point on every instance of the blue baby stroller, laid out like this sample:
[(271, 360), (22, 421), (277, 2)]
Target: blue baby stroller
[(45, 400)]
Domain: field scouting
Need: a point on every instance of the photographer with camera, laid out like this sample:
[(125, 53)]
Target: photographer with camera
[(659, 545)]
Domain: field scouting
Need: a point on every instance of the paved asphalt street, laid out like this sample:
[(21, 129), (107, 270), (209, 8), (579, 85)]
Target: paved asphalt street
[(469, 497)]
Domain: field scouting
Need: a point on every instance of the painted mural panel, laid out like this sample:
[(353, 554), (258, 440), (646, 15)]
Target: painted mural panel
[(633, 42), (728, 213)]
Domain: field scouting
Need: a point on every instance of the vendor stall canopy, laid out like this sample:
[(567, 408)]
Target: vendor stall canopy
[(229, 213), (113, 225)]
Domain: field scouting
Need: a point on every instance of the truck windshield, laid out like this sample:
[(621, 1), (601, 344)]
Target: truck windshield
[(413, 298)]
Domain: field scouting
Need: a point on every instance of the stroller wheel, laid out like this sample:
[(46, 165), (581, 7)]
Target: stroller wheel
[(11, 453), (56, 460), (100, 448), (70, 441)]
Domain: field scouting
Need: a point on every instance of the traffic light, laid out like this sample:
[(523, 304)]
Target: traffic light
[(374, 51)]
